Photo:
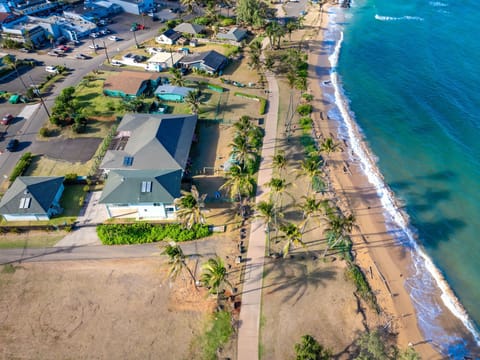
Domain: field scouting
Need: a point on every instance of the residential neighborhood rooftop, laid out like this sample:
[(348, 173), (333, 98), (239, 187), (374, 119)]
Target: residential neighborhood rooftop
[(127, 81)]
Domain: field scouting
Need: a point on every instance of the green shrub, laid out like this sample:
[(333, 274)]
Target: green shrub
[(216, 335), (141, 233), (44, 132), (21, 166), (263, 106), (227, 22), (307, 97), (86, 188), (231, 50), (354, 274), (70, 178), (306, 122), (202, 20), (304, 109)]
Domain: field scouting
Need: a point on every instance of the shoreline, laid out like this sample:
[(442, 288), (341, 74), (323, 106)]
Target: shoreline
[(386, 263)]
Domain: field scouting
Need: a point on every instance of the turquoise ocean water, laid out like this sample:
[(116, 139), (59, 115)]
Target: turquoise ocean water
[(408, 73)]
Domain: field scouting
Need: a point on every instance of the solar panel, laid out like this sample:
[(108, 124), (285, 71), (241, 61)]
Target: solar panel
[(25, 203), (146, 186)]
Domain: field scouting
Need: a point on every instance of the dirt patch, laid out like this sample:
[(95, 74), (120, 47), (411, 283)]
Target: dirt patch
[(98, 309)]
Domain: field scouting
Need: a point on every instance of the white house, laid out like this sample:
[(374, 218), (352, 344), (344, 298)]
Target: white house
[(169, 37)]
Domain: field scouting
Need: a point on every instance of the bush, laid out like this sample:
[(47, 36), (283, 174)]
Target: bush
[(70, 179), (304, 109), (86, 188), (218, 333), (202, 20), (307, 97), (309, 348), (21, 166), (227, 22), (263, 106), (306, 122), (141, 233), (354, 273), (44, 132)]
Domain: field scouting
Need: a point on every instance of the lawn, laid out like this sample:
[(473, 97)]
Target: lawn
[(44, 166), (30, 239)]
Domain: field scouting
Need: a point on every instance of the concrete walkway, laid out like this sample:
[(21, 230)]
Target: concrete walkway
[(249, 324)]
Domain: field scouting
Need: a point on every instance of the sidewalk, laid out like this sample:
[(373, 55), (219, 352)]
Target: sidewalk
[(249, 321)]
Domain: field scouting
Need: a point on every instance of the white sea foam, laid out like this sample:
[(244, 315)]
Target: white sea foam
[(396, 217), (393, 18), (437, 4)]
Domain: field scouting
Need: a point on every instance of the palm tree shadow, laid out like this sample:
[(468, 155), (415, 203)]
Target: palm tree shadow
[(294, 278)]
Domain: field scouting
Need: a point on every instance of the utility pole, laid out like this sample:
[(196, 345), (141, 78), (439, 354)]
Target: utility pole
[(37, 91), (106, 52), (94, 46), (135, 37)]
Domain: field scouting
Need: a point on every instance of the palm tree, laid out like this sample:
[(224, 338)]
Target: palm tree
[(238, 182), (310, 167), (290, 27), (243, 126), (177, 78), (310, 207), (277, 186), (242, 151), (189, 5), (254, 62), (338, 230), (269, 62), (293, 236), (279, 162), (214, 276), (267, 212), (190, 206), (255, 136), (177, 259), (193, 100), (329, 145)]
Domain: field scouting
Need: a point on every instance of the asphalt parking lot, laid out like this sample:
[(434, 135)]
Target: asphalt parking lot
[(71, 150)]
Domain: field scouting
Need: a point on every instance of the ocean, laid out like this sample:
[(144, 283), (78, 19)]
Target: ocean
[(407, 73)]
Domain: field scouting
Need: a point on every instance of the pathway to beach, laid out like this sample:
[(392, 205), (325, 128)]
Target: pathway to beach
[(249, 322)]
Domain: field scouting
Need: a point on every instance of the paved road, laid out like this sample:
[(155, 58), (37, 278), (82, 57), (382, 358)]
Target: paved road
[(204, 248), (248, 335)]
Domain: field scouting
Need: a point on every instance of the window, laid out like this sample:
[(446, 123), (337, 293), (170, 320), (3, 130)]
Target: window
[(146, 186), (128, 161), (25, 203)]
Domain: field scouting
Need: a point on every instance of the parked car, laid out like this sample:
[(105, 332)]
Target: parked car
[(25, 50), (81, 57), (139, 58), (113, 38), (51, 69), (153, 50), (105, 31), (12, 145), (116, 63), (55, 53), (35, 62), (96, 47), (7, 118), (94, 35)]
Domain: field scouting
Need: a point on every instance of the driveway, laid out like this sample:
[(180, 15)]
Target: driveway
[(71, 150)]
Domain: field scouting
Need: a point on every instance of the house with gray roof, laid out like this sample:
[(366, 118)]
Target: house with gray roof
[(168, 37), (211, 61), (191, 29), (234, 34), (32, 198), (146, 164), (172, 93)]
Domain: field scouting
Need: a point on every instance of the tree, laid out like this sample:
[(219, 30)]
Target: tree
[(242, 151), (310, 349), (214, 276), (177, 259), (290, 27), (177, 77), (251, 12), (239, 182), (190, 207), (329, 145), (50, 38), (293, 237), (338, 229), (193, 100), (267, 212), (310, 207), (269, 62), (254, 62), (310, 167), (243, 126), (189, 5), (279, 162)]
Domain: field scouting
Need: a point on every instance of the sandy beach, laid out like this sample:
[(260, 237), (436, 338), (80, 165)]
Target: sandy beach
[(385, 263)]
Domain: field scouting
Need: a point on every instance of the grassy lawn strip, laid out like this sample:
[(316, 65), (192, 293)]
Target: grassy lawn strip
[(89, 94), (219, 330), (141, 233), (30, 240), (263, 101)]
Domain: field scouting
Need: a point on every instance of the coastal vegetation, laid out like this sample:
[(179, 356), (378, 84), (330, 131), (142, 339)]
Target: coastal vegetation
[(22, 165)]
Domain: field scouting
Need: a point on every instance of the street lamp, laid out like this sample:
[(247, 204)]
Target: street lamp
[(135, 37), (37, 91), (106, 53)]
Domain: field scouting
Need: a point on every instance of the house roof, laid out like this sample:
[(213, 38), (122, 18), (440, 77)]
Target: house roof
[(211, 59), (30, 195), (153, 141), (172, 34), (128, 82), (166, 57), (235, 34), (170, 89), (141, 186), (188, 28)]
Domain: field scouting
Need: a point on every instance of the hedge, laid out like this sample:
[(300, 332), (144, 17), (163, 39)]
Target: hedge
[(141, 233), (216, 88), (21, 166)]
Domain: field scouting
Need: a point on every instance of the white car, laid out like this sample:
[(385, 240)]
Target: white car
[(51, 69), (91, 46), (116, 63), (113, 38)]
